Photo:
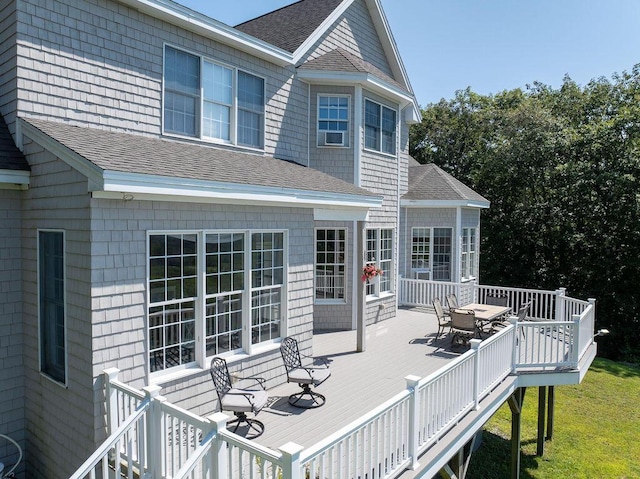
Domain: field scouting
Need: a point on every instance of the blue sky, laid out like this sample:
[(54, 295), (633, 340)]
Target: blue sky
[(491, 45)]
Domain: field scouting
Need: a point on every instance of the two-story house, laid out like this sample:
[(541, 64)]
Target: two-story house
[(173, 188)]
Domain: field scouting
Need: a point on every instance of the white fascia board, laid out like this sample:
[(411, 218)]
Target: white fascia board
[(303, 49), (210, 28), (141, 186), (14, 179), (368, 81), (444, 204)]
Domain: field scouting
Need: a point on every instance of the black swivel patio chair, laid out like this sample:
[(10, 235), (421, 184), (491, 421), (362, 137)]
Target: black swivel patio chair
[(239, 401), (305, 376), (444, 320)]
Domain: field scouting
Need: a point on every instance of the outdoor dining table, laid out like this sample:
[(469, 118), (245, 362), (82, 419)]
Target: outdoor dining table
[(485, 313)]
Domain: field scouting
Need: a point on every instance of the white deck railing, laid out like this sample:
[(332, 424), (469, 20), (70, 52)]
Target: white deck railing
[(152, 438)]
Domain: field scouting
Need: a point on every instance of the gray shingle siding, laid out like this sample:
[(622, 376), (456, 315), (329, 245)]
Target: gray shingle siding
[(11, 337), (58, 199), (72, 67)]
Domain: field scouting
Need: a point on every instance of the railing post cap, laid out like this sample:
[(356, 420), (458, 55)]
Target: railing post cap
[(592, 300), (475, 343), (291, 448), (152, 391), (412, 378), (219, 418), (111, 372)]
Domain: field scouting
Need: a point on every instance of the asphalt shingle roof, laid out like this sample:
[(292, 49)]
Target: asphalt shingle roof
[(11, 158), (124, 152), (289, 27), (430, 182), (340, 60)]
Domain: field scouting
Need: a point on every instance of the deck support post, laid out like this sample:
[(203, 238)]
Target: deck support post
[(515, 404), (550, 410), (542, 406), (361, 328)]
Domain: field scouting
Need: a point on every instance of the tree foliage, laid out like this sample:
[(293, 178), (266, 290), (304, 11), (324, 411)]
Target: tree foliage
[(561, 168)]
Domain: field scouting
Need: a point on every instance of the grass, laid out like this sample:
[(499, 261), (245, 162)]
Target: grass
[(596, 431)]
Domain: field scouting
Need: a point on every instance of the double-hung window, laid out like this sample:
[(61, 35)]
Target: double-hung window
[(468, 254), (51, 298), (330, 264), (431, 252), (208, 100), (379, 253), (333, 120), (225, 287), (380, 127)]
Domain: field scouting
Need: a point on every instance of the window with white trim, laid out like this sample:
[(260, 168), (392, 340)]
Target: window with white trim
[(333, 120), (208, 100), (379, 127), (431, 252), (468, 253), (330, 264), (379, 252), (51, 298), (224, 287)]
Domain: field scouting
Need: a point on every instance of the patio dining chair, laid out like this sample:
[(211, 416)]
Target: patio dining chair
[(239, 401), (305, 376), (452, 301), (444, 320), (463, 326)]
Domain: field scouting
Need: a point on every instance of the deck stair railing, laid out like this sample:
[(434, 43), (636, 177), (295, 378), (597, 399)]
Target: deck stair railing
[(152, 439)]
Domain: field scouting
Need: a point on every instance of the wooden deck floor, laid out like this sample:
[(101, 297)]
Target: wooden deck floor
[(359, 381)]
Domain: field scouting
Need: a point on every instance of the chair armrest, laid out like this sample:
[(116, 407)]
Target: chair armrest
[(260, 381)]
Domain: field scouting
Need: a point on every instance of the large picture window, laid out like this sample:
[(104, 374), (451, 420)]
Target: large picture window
[(205, 99), (51, 297), (239, 277), (379, 252), (380, 127), (431, 252), (330, 264)]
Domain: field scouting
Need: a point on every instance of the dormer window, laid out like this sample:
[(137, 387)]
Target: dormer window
[(207, 100), (380, 128), (333, 120)]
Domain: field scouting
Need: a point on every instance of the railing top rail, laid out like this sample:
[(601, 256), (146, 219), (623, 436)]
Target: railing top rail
[(249, 446), (310, 452), (446, 368), (508, 288), (120, 386), (104, 448)]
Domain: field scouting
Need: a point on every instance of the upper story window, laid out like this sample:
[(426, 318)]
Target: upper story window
[(333, 120), (207, 100), (380, 127), (468, 256)]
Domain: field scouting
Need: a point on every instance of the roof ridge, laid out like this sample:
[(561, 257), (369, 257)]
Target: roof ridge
[(347, 56), (450, 180)]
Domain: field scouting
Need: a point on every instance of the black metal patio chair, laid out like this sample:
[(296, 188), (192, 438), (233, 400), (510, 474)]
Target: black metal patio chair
[(239, 401), (305, 376)]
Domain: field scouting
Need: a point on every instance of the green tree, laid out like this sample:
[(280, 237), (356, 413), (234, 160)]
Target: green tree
[(561, 168)]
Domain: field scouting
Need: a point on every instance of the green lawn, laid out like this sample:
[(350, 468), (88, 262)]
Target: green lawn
[(596, 431)]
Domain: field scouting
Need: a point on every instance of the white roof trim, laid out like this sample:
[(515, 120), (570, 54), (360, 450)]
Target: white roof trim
[(302, 50), (367, 80), (14, 179), (196, 190), (444, 204), (210, 28)]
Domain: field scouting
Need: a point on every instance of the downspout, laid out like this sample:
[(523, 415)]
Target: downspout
[(398, 212), (309, 125)]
